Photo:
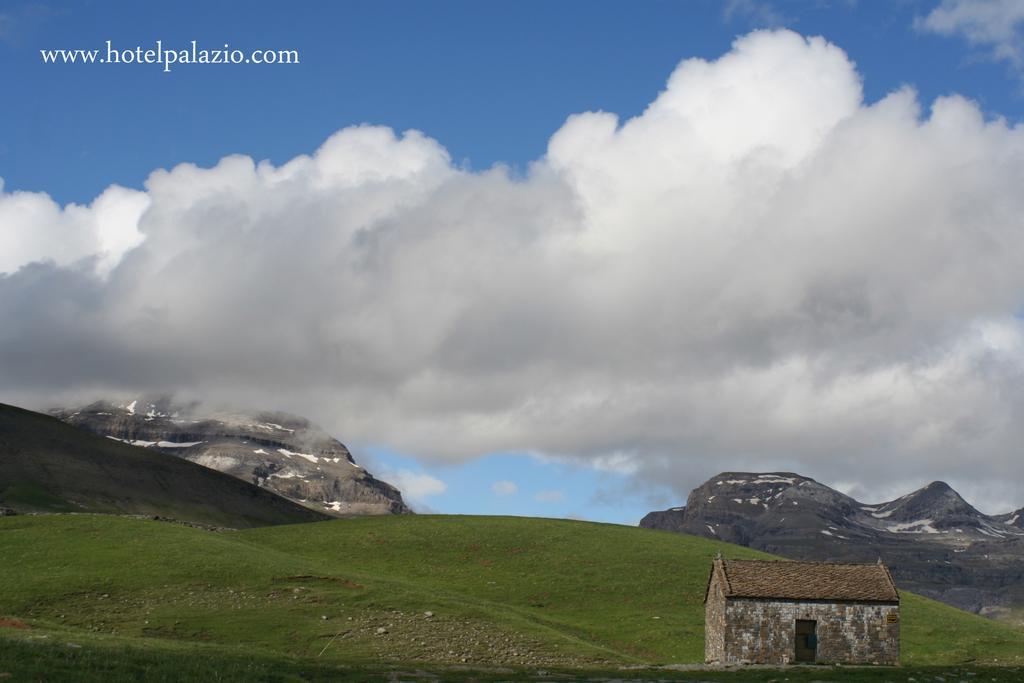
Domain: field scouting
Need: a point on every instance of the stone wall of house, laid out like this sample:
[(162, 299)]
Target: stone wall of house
[(761, 631), (714, 622)]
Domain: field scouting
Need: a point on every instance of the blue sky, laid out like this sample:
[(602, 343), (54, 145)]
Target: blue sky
[(490, 81), (517, 484)]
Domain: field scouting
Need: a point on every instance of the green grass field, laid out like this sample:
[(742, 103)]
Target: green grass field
[(106, 597)]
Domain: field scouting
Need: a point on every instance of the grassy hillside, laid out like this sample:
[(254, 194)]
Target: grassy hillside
[(503, 591), (48, 466)]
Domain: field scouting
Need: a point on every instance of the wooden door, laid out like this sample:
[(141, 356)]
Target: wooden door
[(806, 640)]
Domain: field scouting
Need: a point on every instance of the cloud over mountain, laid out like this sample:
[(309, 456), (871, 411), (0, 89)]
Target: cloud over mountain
[(761, 269)]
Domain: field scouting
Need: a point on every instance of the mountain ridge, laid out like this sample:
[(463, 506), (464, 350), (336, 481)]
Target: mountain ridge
[(49, 466), (284, 453), (935, 542)]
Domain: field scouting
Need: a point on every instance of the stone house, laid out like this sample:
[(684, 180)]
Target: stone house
[(778, 612)]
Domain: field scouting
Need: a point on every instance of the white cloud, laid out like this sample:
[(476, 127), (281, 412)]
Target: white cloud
[(415, 486), (34, 228), (761, 271), (623, 464), (757, 13), (993, 24), (549, 496), (505, 488)]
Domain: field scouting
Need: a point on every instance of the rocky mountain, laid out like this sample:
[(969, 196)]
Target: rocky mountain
[(48, 466), (933, 540), (1015, 518), (279, 452)]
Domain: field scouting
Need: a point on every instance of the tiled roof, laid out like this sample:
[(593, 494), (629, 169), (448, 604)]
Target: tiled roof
[(806, 580)]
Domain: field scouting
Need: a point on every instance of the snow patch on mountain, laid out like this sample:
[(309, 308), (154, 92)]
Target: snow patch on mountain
[(273, 427), (308, 456), (774, 479), (217, 462), (919, 526), (133, 442)]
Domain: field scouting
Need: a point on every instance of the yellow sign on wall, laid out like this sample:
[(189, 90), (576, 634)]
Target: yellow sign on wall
[(891, 618)]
